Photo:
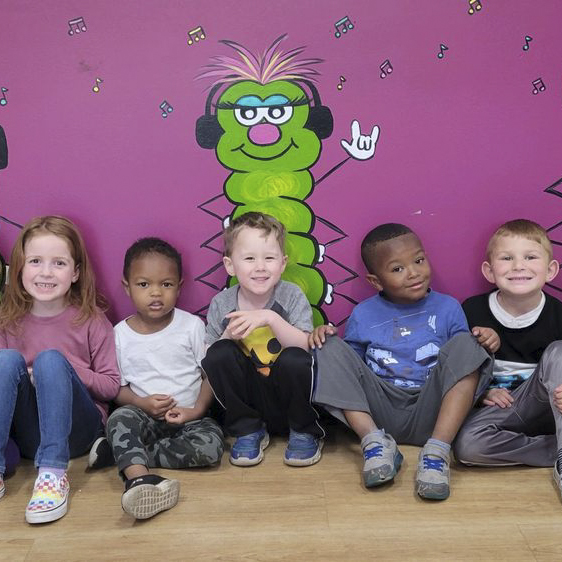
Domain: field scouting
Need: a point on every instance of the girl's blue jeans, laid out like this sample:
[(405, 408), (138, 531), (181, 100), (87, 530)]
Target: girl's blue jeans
[(51, 420)]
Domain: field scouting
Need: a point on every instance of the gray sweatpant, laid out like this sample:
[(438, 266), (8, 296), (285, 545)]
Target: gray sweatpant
[(345, 382), (529, 432), (137, 438)]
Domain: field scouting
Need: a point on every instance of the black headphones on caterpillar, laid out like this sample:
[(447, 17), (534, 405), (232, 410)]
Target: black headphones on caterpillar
[(208, 130)]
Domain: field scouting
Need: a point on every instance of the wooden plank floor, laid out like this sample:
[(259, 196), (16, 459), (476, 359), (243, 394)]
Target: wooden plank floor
[(274, 512)]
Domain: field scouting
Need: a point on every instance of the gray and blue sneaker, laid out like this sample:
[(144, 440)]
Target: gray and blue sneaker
[(382, 459), (247, 450), (303, 449), (432, 477)]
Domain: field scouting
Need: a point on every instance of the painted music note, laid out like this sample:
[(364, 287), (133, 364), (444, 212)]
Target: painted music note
[(442, 49), (166, 108), (4, 101), (538, 86), (528, 39), (340, 85), (386, 68), (76, 26), (475, 6), (344, 24), (96, 88), (195, 35)]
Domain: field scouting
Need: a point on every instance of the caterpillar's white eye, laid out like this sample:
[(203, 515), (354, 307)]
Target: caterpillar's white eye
[(279, 114), (249, 116)]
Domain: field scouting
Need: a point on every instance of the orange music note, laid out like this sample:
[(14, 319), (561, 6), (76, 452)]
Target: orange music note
[(96, 88)]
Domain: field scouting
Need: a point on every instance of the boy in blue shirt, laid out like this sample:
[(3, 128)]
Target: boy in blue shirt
[(411, 366), (520, 421)]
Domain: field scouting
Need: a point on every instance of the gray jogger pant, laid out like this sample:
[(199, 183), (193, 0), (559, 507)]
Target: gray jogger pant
[(529, 432), (137, 438), (345, 382)]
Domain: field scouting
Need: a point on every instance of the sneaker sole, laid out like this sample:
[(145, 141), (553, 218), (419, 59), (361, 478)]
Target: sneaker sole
[(306, 462), (429, 493), (146, 500), (34, 517), (372, 481), (246, 461)]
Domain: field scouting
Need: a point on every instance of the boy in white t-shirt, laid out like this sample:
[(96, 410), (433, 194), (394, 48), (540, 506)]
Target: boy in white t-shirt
[(163, 396)]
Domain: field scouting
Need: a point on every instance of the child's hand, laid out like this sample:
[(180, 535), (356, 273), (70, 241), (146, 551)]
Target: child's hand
[(558, 398), (318, 335), (156, 405), (243, 322), (30, 373), (487, 338), (179, 415), (498, 397)]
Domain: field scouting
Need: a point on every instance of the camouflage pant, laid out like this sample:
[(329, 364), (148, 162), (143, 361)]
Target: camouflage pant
[(137, 438)]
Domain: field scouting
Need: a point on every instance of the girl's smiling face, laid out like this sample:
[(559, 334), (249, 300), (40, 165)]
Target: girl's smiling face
[(48, 273)]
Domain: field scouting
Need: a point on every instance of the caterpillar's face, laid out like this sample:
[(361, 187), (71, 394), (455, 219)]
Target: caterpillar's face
[(264, 127)]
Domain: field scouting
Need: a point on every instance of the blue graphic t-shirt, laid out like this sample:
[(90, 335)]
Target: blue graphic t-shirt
[(400, 342)]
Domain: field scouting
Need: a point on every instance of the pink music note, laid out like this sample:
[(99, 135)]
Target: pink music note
[(386, 68), (538, 86), (76, 26)]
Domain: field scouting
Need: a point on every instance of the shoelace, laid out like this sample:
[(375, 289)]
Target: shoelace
[(375, 451), (433, 464)]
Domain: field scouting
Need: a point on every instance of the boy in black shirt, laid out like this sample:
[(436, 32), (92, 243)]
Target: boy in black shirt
[(521, 418)]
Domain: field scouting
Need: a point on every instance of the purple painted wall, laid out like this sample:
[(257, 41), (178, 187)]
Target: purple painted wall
[(464, 143)]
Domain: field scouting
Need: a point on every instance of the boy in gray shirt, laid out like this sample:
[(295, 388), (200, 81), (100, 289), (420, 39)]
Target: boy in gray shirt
[(258, 363)]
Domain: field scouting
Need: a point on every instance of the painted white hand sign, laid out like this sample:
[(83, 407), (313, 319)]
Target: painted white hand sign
[(361, 147)]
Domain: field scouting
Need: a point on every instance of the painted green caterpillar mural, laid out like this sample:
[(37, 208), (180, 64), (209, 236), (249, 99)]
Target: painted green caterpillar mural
[(267, 129)]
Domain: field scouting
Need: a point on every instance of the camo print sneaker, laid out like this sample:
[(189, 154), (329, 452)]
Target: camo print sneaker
[(432, 477), (49, 501), (382, 459)]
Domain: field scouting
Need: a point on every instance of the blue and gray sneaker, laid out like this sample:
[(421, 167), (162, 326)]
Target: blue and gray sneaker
[(432, 477), (382, 459), (303, 449), (248, 449)]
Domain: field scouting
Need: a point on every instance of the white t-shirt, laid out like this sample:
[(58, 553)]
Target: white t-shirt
[(167, 362)]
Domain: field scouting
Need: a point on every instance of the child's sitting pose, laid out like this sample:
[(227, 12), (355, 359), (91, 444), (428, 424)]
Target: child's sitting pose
[(163, 398), (58, 369), (258, 364), (412, 368), (521, 420)]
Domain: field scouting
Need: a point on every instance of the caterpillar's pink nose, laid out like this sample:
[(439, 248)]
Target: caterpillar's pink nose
[(264, 133)]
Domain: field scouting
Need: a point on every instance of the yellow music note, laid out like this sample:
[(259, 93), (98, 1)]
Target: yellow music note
[(96, 88), (195, 35)]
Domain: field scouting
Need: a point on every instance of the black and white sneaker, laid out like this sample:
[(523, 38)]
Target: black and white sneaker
[(101, 454), (148, 495)]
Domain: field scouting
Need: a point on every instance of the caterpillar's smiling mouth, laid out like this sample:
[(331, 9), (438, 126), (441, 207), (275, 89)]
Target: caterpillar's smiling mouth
[(282, 153)]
